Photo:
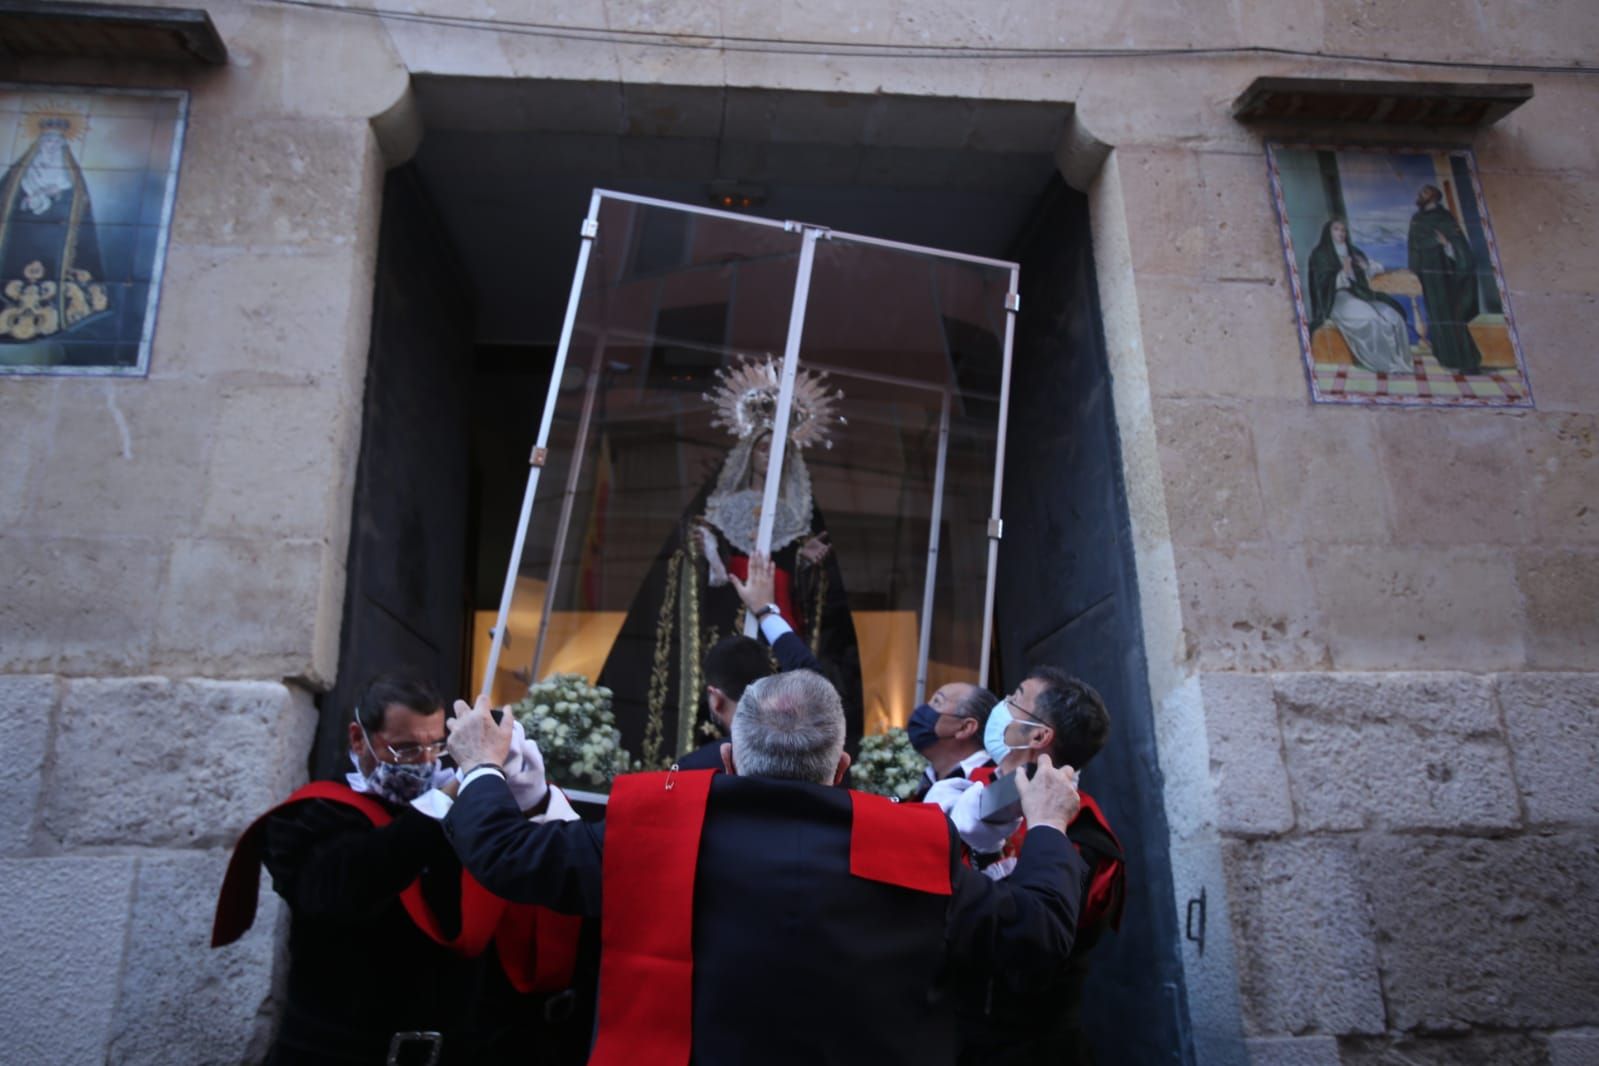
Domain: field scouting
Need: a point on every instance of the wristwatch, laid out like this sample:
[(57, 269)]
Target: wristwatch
[(770, 608)]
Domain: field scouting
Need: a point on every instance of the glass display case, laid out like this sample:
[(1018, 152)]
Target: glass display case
[(727, 385)]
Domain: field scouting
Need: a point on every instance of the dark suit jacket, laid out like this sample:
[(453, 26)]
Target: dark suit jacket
[(796, 961)]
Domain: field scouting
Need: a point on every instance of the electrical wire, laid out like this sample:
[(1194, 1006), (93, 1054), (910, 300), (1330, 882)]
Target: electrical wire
[(884, 50)]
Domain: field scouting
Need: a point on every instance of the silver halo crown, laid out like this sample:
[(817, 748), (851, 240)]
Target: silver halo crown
[(744, 402)]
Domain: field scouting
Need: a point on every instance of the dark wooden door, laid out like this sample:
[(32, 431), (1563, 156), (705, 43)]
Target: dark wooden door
[(1067, 596), (405, 605)]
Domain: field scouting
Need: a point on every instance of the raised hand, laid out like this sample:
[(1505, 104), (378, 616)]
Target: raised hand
[(476, 738), (1049, 797), (756, 591)]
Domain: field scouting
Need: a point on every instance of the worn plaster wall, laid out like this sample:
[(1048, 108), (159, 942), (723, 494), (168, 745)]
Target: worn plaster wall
[(1396, 834), (173, 554)]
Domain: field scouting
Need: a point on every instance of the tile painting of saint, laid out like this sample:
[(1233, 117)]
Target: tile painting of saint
[(1399, 295)]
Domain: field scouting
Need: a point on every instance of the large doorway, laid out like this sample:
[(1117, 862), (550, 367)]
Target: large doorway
[(480, 234)]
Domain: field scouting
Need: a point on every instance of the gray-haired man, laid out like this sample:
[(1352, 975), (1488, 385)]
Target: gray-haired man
[(764, 915)]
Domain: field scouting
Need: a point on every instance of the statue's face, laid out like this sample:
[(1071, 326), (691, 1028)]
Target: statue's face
[(1339, 232)]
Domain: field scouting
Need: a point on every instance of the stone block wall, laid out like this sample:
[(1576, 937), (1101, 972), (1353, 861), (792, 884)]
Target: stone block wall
[(1371, 634), (128, 797), (1422, 885), (174, 551)]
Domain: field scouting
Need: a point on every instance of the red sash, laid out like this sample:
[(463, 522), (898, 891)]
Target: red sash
[(1107, 885), (1102, 902), (904, 844), (652, 841), (518, 930), (652, 846)]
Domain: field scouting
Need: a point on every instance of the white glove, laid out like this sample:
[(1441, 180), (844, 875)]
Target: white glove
[(524, 770), (980, 836), (946, 791)]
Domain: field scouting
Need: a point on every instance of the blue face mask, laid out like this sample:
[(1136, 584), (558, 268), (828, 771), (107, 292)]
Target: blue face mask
[(999, 720), (922, 729)]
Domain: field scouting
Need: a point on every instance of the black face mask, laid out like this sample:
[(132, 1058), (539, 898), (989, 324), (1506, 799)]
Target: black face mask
[(922, 729)]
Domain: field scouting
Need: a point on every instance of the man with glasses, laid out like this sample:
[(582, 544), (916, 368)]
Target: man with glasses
[(1055, 714), (394, 955)]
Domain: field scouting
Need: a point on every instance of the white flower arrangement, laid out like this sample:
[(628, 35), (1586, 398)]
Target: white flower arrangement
[(571, 721), (888, 765)]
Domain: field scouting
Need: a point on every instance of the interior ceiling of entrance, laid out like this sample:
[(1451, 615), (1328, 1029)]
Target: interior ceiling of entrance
[(510, 166)]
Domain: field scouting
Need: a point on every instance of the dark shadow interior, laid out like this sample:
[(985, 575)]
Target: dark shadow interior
[(479, 236)]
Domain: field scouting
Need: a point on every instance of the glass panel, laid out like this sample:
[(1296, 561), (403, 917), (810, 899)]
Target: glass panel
[(651, 487), (904, 335), (610, 577)]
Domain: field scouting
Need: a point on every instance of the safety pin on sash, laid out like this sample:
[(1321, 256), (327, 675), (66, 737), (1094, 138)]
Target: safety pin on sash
[(671, 778)]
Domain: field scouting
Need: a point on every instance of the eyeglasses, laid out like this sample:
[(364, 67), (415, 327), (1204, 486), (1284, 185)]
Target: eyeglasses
[(416, 752), (407, 753), (1032, 719)]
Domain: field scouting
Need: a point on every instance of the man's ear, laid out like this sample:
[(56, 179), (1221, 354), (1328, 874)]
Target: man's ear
[(357, 741), (1042, 739), (727, 758), (843, 768), (961, 732)]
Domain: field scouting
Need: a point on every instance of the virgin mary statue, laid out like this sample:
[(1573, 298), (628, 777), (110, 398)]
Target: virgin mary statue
[(687, 601)]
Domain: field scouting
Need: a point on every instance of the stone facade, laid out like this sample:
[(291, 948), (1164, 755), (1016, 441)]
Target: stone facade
[(1373, 651)]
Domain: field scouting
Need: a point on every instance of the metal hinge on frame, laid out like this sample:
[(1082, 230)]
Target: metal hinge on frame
[(539, 456), (1192, 930), (1013, 302), (822, 232), (996, 528), (591, 228)]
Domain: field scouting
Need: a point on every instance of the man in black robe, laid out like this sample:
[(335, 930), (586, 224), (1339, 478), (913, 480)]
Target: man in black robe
[(366, 984), (1441, 257), (799, 954)]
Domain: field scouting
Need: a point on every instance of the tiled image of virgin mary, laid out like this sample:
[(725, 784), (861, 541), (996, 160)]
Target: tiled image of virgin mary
[(50, 272), (85, 200)]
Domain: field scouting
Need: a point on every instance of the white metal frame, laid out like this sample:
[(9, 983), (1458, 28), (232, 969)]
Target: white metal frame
[(807, 252), (590, 230)]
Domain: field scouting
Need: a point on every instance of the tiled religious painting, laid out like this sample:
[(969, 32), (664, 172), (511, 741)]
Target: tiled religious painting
[(90, 176), (1396, 277)]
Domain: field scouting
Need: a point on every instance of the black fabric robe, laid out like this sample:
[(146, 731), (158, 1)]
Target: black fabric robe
[(635, 662), (1448, 287), (360, 970), (797, 961)]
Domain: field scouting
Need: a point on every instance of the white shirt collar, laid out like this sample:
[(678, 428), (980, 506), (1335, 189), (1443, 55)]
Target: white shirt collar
[(975, 760)]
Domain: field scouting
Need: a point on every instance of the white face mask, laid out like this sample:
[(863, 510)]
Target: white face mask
[(999, 720)]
